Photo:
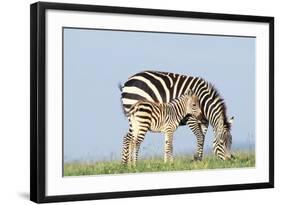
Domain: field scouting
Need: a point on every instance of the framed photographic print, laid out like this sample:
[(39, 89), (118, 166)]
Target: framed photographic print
[(129, 102)]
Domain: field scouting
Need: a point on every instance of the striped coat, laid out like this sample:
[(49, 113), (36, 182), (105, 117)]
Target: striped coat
[(158, 117), (163, 87)]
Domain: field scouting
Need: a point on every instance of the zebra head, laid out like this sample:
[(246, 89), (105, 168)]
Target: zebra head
[(193, 106), (223, 140)]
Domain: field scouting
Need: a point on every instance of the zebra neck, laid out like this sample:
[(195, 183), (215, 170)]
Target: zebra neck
[(175, 106), (219, 124)]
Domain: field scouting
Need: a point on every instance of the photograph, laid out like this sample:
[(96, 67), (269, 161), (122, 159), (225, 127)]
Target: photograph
[(143, 101), (132, 102)]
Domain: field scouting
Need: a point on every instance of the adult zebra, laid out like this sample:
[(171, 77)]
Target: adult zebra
[(162, 87)]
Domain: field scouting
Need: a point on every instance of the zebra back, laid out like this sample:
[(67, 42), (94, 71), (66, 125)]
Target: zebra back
[(162, 87)]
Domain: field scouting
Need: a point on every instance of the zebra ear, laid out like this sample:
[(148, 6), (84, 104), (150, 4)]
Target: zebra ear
[(231, 120), (189, 92)]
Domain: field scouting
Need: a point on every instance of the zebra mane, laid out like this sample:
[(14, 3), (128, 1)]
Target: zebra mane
[(177, 99), (214, 90)]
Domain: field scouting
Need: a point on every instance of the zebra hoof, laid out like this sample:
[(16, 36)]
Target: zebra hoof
[(197, 158)]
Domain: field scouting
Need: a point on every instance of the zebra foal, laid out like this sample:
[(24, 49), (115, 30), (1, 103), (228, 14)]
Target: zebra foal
[(157, 117)]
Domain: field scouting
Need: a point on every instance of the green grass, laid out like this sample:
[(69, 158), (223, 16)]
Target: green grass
[(242, 159)]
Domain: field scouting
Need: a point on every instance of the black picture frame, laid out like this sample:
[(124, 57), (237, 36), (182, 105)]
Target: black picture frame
[(38, 100)]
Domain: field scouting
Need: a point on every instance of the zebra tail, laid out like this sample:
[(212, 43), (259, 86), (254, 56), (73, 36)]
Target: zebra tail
[(123, 109), (120, 86)]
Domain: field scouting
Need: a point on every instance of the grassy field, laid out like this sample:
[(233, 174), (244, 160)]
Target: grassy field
[(242, 159)]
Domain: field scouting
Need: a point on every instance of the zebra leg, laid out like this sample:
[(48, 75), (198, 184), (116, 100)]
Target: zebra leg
[(136, 144), (199, 130), (126, 148), (134, 153), (168, 155), (131, 151)]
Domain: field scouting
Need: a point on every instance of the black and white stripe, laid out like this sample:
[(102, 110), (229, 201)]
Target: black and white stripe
[(158, 117), (162, 87)]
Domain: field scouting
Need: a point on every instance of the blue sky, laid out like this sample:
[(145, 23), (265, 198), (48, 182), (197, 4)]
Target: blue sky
[(95, 61)]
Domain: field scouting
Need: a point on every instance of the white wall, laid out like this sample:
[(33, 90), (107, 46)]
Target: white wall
[(14, 103)]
